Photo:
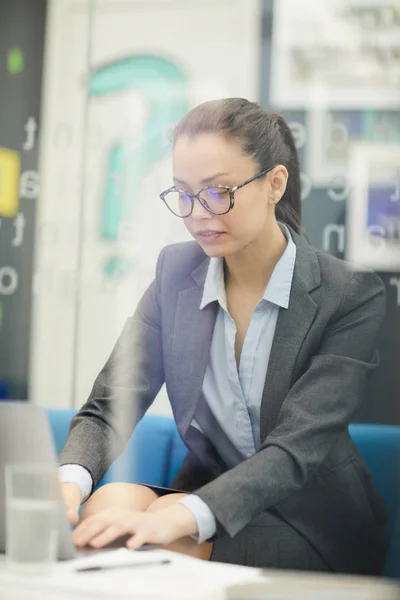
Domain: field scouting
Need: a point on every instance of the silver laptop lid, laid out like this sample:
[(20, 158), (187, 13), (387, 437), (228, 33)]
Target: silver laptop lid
[(25, 436)]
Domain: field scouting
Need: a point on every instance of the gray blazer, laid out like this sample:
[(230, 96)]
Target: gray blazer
[(307, 469)]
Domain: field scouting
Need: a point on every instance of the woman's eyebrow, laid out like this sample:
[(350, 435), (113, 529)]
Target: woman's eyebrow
[(206, 180)]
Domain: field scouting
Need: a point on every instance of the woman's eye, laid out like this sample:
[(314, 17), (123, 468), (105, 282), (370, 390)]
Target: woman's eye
[(219, 191), (184, 196)]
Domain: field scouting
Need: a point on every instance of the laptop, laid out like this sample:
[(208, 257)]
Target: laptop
[(25, 436)]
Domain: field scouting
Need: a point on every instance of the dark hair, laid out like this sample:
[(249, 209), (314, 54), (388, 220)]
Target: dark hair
[(265, 136)]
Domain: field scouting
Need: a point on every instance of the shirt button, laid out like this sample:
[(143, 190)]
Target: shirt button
[(249, 454), (241, 406)]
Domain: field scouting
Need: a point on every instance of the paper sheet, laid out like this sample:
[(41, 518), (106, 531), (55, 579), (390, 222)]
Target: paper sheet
[(184, 577)]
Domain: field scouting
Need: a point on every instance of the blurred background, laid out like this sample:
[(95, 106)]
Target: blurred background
[(90, 91)]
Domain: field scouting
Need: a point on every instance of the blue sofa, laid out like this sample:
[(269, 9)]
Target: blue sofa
[(155, 452)]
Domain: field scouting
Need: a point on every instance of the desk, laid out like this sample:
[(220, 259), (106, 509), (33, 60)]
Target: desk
[(190, 579), (185, 578), (295, 585)]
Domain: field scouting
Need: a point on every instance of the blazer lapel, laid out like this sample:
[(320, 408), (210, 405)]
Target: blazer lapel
[(193, 331), (292, 328)]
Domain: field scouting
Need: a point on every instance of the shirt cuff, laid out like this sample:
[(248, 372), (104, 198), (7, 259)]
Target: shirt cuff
[(79, 475), (206, 523)]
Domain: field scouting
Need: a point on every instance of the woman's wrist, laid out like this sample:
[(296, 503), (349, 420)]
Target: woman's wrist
[(183, 520)]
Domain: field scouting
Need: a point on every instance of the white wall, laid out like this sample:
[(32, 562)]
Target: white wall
[(216, 44)]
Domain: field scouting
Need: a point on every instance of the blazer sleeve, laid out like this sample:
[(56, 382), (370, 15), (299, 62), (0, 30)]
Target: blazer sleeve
[(122, 392), (317, 409)]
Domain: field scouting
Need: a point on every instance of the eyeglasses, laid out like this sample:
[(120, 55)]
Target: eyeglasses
[(217, 199)]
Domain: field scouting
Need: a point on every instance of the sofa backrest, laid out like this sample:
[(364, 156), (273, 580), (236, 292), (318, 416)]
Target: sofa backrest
[(152, 455)]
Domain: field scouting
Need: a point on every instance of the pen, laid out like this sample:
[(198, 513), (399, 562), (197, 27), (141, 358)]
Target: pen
[(120, 566)]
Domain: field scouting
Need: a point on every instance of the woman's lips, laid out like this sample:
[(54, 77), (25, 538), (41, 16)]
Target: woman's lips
[(209, 236)]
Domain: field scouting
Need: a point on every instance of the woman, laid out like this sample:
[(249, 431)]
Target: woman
[(265, 345)]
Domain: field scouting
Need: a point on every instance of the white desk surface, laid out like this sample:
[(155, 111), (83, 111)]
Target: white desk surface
[(189, 579), (295, 585), (185, 578)]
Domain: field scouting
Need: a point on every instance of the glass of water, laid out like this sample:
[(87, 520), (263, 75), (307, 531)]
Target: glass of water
[(31, 517)]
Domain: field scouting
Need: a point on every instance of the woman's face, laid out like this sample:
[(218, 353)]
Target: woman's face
[(214, 159)]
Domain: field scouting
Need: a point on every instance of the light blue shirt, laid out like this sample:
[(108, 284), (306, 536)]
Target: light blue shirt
[(231, 420)]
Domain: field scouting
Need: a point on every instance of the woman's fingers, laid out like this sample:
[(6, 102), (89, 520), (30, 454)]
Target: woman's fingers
[(72, 498), (103, 528), (159, 527), (108, 535), (72, 516), (91, 527), (136, 541), (82, 537)]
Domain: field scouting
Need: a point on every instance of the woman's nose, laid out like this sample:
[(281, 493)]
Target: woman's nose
[(199, 212)]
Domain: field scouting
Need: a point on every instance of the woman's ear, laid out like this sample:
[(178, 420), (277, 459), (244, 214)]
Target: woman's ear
[(278, 181)]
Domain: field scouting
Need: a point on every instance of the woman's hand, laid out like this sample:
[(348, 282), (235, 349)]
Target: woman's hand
[(159, 527), (72, 499)]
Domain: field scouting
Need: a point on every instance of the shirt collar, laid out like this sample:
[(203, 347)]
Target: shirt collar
[(278, 288)]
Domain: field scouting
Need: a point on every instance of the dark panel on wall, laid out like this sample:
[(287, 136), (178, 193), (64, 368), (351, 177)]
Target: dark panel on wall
[(22, 30)]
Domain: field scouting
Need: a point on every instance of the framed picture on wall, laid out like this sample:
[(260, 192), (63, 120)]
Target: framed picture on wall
[(332, 132), (341, 54), (373, 206)]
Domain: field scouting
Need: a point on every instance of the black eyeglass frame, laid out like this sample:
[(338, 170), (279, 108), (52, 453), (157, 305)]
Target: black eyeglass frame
[(203, 202)]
